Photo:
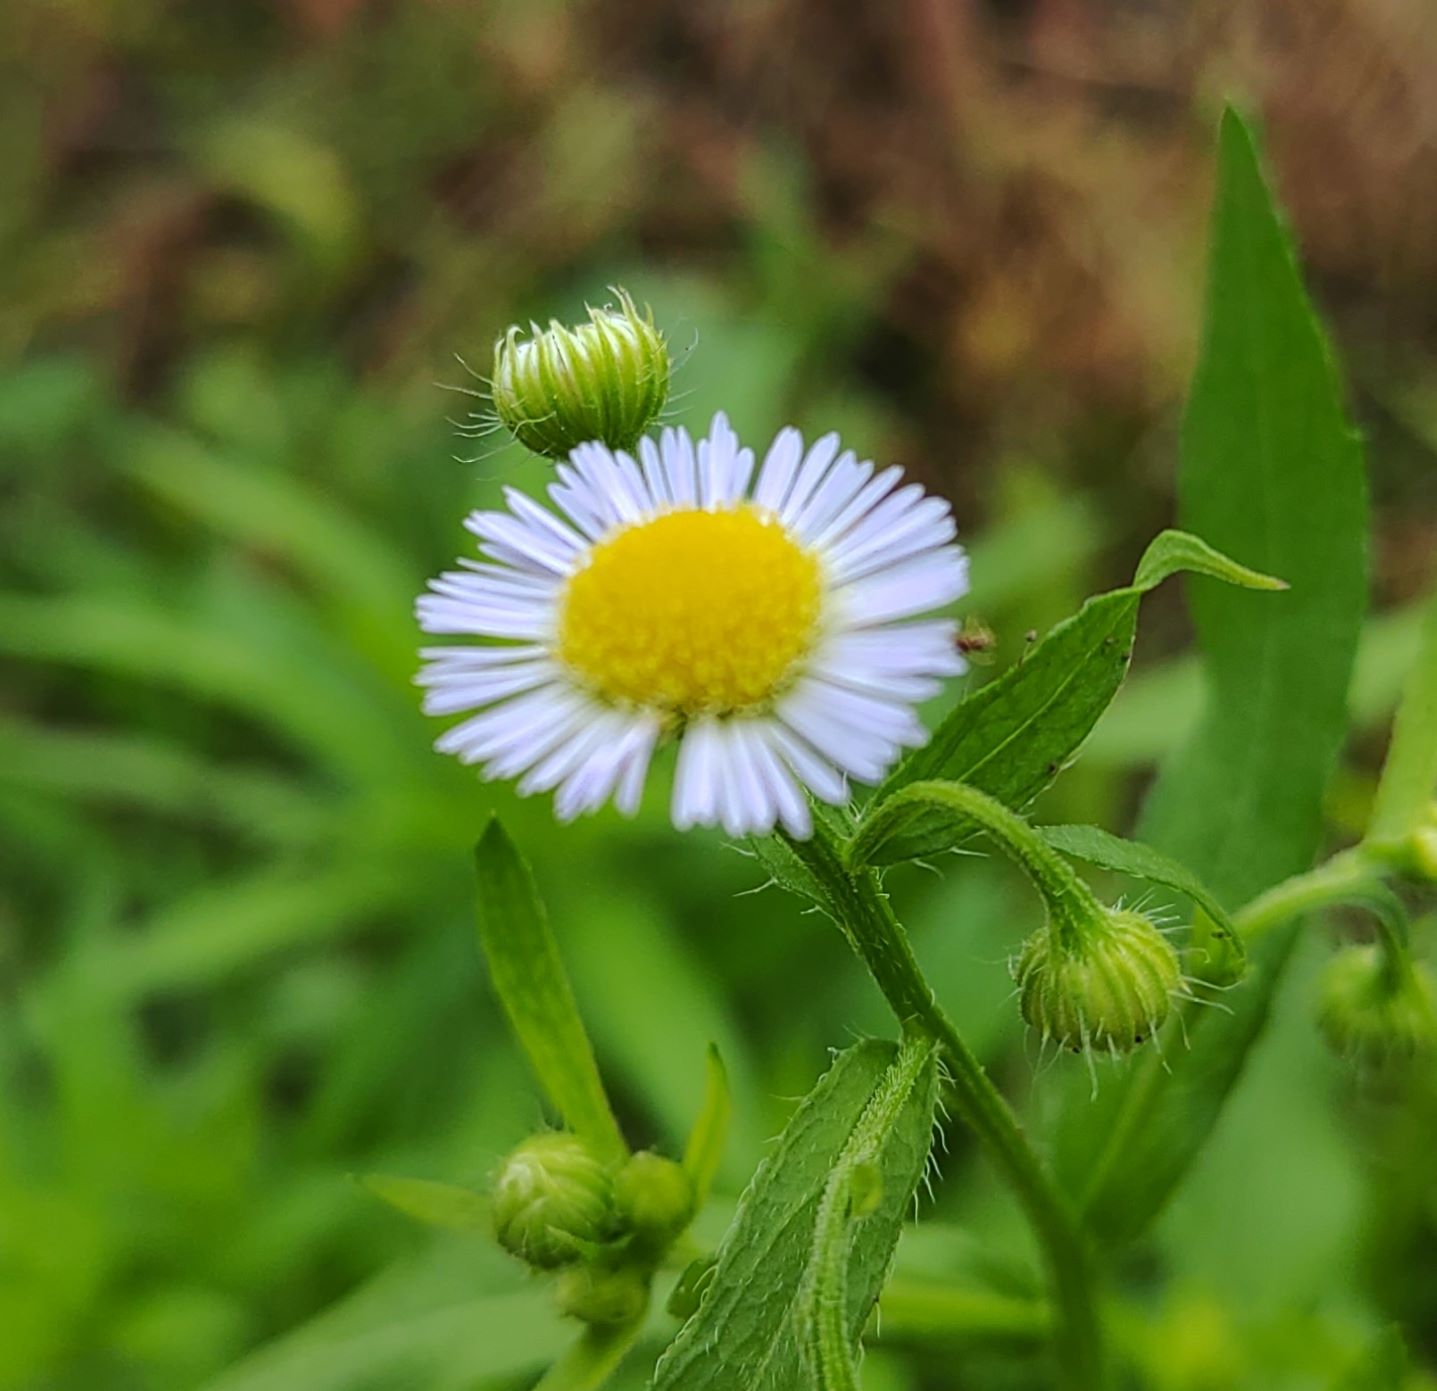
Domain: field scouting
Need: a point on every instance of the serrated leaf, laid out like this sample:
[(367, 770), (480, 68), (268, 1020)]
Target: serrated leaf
[(1012, 737), (1140, 861), (444, 1205), (533, 987), (1272, 471), (745, 1336)]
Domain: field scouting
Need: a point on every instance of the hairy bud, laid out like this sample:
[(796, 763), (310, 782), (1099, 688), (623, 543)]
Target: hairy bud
[(604, 380), (654, 1198), (1109, 990), (553, 1201), (1375, 1008)]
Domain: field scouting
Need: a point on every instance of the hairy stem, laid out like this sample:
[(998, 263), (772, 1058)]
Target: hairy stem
[(867, 921)]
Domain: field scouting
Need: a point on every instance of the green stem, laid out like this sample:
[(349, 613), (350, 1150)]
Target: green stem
[(591, 1361), (863, 914), (1073, 909), (1341, 877), (922, 1312)]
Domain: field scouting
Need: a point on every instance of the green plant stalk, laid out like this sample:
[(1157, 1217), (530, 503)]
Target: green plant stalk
[(1074, 912), (866, 920), (591, 1361), (1341, 878)]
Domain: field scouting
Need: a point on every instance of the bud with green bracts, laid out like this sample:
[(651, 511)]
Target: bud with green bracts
[(1376, 1005), (605, 380), (1109, 988), (553, 1201), (654, 1199)]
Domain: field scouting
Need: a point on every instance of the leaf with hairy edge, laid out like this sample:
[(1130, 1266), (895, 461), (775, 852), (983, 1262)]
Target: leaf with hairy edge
[(746, 1335), (534, 989), (1140, 861), (1270, 470), (1012, 737)]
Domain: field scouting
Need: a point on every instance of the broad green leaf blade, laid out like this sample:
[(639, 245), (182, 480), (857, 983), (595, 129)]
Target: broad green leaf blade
[(1012, 737), (1409, 778), (745, 1336), (1271, 471), (704, 1150), (435, 1204), (531, 983), (1140, 861)]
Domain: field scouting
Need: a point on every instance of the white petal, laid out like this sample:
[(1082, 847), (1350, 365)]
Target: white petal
[(815, 468), (841, 486), (927, 583), (635, 765), (677, 450), (695, 796), (510, 725), (864, 501), (783, 791), (452, 691), (812, 770), (779, 466), (654, 473)]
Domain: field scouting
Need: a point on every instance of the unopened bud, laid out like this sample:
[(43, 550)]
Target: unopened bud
[(605, 380), (654, 1198), (553, 1201), (1373, 1008), (1110, 990), (601, 1295)]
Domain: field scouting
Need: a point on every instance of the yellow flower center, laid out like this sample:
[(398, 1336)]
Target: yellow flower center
[(693, 612)]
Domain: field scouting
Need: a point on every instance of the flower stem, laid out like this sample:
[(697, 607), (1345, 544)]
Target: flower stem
[(863, 914)]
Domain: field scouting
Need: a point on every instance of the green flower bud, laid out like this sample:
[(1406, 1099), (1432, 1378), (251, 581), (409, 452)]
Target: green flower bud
[(1422, 851), (603, 1295), (604, 380), (1373, 1011), (553, 1201), (654, 1198), (1109, 990)]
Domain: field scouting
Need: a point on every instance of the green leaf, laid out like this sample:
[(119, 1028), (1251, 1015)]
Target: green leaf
[(745, 1336), (853, 1193), (1012, 737), (435, 1204), (1409, 777), (1173, 551), (1139, 861), (531, 983), (704, 1150), (1272, 471)]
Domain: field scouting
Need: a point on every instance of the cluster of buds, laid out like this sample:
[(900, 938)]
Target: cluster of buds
[(1107, 988), (604, 380), (559, 1208)]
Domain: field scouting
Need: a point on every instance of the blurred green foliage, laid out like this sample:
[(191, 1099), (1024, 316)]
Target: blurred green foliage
[(237, 960)]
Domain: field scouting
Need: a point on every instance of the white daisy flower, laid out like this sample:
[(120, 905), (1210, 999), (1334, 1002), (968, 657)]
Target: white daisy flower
[(768, 628)]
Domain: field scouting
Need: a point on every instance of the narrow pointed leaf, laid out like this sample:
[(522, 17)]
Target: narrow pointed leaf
[(534, 989), (435, 1204), (1271, 471), (1408, 789), (704, 1150), (1012, 737)]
